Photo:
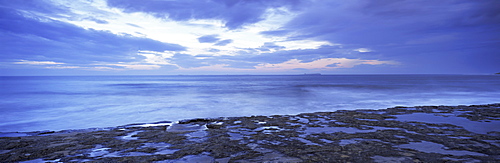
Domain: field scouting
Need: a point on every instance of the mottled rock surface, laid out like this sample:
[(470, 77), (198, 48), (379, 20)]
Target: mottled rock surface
[(400, 134)]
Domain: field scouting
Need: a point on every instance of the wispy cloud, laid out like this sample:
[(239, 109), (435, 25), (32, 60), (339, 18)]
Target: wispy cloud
[(137, 66), (64, 67), (321, 64), (38, 62)]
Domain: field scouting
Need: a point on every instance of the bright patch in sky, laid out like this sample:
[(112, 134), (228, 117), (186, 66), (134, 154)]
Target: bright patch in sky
[(363, 50), (186, 33)]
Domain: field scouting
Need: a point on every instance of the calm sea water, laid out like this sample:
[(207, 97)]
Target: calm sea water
[(58, 103)]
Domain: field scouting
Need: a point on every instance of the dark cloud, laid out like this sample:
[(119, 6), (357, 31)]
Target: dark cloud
[(223, 42), (390, 22), (214, 39), (425, 31), (30, 38), (235, 13), (208, 39)]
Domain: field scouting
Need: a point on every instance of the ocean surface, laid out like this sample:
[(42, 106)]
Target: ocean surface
[(79, 102)]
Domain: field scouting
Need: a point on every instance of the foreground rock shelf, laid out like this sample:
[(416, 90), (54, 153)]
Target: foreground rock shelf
[(400, 134)]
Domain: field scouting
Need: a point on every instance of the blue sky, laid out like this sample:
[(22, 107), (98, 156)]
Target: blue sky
[(169, 37)]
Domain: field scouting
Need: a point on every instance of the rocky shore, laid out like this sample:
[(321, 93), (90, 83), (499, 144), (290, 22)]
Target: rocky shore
[(400, 134)]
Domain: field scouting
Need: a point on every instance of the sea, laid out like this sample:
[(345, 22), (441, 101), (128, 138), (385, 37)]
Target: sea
[(53, 103)]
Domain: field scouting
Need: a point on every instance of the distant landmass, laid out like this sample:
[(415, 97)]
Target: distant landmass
[(313, 74)]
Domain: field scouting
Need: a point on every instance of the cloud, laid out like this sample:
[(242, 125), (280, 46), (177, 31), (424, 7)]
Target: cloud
[(336, 64), (386, 22), (38, 62), (33, 37), (208, 39), (214, 39), (270, 46), (64, 67), (293, 65), (40, 6), (306, 55), (136, 66), (303, 44), (451, 36), (234, 13), (98, 21), (188, 61), (420, 32), (363, 50), (325, 58), (133, 25), (223, 42), (321, 64)]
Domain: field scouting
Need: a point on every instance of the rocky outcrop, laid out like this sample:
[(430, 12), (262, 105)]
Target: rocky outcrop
[(400, 134)]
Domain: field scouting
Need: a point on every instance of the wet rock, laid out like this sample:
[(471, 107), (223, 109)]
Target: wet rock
[(340, 136)]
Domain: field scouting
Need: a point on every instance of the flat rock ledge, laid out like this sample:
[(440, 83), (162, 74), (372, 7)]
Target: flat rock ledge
[(399, 134)]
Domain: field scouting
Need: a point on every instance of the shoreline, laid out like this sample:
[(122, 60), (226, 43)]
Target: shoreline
[(42, 132), (400, 134)]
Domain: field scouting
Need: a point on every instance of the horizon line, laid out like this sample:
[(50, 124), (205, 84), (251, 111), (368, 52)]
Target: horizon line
[(298, 74)]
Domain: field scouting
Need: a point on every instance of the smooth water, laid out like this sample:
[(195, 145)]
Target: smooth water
[(58, 103)]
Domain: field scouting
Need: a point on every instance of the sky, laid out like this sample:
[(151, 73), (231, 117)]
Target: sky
[(205, 37)]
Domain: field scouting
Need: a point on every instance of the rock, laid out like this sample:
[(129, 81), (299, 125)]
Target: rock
[(343, 136)]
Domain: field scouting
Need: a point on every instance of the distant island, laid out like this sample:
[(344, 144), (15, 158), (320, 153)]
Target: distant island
[(498, 73), (313, 74)]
